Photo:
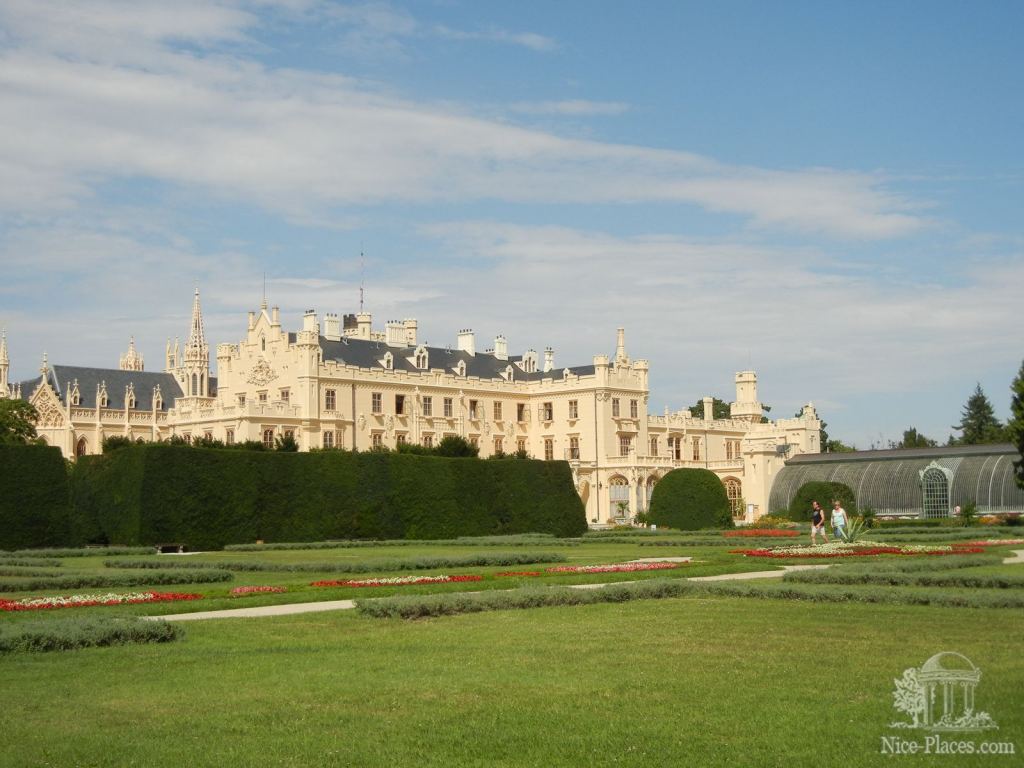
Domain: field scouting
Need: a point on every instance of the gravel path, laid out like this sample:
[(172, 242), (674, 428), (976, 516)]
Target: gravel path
[(289, 609), (1018, 557)]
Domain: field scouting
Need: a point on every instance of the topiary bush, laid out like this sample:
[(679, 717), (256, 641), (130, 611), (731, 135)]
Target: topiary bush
[(822, 491), (689, 500)]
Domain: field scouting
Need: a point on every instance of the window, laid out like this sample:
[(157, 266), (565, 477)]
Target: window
[(520, 412), (330, 400), (696, 449), (241, 401), (187, 437), (400, 438), (574, 409), (549, 449), (376, 440), (618, 497), (498, 446), (400, 405), (521, 445), (625, 443), (497, 410), (428, 406), (82, 448), (290, 434), (473, 412), (131, 401), (574, 448), (935, 493), (229, 437), (262, 397), (421, 359), (263, 344), (285, 396), (449, 409), (328, 439), (428, 441), (389, 361), (732, 449), (76, 398), (734, 492), (207, 435), (547, 411), (376, 402), (268, 438), (474, 441), (615, 407), (654, 446), (634, 409)]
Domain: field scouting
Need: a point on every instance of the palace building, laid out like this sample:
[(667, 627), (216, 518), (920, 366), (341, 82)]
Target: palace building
[(339, 383)]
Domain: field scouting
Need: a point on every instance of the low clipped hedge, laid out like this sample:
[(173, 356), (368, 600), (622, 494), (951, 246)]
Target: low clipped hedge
[(90, 580), (74, 632), (8, 561), (907, 579), (690, 500), (823, 492), (366, 566), (35, 502), (515, 540), (208, 498), (83, 552), (832, 593)]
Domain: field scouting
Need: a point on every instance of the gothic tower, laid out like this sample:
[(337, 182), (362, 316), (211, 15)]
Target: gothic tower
[(194, 364), (132, 360)]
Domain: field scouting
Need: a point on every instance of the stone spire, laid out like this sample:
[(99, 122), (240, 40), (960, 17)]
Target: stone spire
[(132, 360), (5, 364), (196, 348), (620, 348)]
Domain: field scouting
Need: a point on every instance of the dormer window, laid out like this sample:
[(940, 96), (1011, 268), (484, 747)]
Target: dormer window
[(263, 344), (131, 401), (129, 396), (422, 360), (101, 395), (460, 369), (75, 396), (529, 362), (389, 361)]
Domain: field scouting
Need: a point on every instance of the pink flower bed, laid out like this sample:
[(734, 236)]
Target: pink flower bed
[(236, 591), (761, 533), (519, 573), (864, 552), (397, 581), (81, 601), (615, 568)]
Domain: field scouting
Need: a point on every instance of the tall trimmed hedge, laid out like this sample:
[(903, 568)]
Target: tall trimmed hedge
[(823, 492), (34, 499), (689, 500), (207, 497)]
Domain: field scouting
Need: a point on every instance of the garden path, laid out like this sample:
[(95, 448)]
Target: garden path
[(1018, 557), (345, 605)]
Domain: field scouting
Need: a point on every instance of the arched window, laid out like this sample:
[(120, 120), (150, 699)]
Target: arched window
[(195, 385), (734, 491), (328, 439), (935, 492), (81, 448), (460, 369), (202, 384), (268, 438), (651, 482), (389, 361), (422, 359), (263, 344), (618, 498)]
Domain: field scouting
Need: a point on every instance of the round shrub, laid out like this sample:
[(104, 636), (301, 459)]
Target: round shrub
[(690, 499), (823, 492)]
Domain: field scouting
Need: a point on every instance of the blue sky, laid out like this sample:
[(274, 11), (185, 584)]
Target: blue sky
[(829, 193)]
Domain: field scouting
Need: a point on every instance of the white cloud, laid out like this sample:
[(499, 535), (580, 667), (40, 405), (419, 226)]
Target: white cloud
[(90, 100)]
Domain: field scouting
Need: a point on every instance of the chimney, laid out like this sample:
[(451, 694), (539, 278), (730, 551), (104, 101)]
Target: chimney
[(410, 331), (252, 320), (467, 341), (364, 320), (501, 347), (620, 347), (309, 321), (332, 327), (549, 359), (394, 333), (275, 316), (709, 408)]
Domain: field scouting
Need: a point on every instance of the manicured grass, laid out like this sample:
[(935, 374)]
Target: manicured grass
[(681, 681)]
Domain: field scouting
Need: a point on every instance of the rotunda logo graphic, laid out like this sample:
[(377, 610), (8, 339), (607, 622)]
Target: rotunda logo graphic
[(939, 695)]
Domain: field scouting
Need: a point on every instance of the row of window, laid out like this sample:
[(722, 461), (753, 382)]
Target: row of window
[(284, 396), (634, 409)]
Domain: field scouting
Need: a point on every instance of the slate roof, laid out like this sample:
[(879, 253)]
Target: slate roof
[(370, 354), (62, 377), (898, 454)]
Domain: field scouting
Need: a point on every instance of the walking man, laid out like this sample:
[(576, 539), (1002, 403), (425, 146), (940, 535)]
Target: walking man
[(817, 522)]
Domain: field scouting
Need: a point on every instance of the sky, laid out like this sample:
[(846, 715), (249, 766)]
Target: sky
[(828, 193)]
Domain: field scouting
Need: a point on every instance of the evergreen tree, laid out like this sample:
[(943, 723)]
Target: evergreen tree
[(914, 439), (978, 422), (1015, 427)]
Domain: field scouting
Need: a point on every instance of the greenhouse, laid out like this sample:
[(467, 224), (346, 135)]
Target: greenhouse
[(914, 482)]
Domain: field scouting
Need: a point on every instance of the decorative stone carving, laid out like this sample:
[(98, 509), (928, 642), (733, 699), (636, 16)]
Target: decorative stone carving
[(261, 373), (362, 423), (46, 402), (389, 424)]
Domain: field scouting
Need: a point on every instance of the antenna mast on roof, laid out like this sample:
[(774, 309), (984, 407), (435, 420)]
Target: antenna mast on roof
[(362, 276)]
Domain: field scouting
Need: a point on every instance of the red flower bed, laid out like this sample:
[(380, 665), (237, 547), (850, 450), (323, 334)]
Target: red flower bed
[(988, 543), (519, 573), (781, 533), (255, 589), (84, 601), (397, 581), (616, 568)]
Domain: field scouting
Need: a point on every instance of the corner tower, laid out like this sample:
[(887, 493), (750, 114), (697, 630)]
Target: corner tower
[(193, 365)]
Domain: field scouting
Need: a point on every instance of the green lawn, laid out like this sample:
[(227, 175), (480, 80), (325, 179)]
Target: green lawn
[(707, 682)]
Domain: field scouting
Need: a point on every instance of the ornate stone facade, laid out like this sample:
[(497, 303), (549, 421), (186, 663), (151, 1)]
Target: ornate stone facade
[(345, 385)]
